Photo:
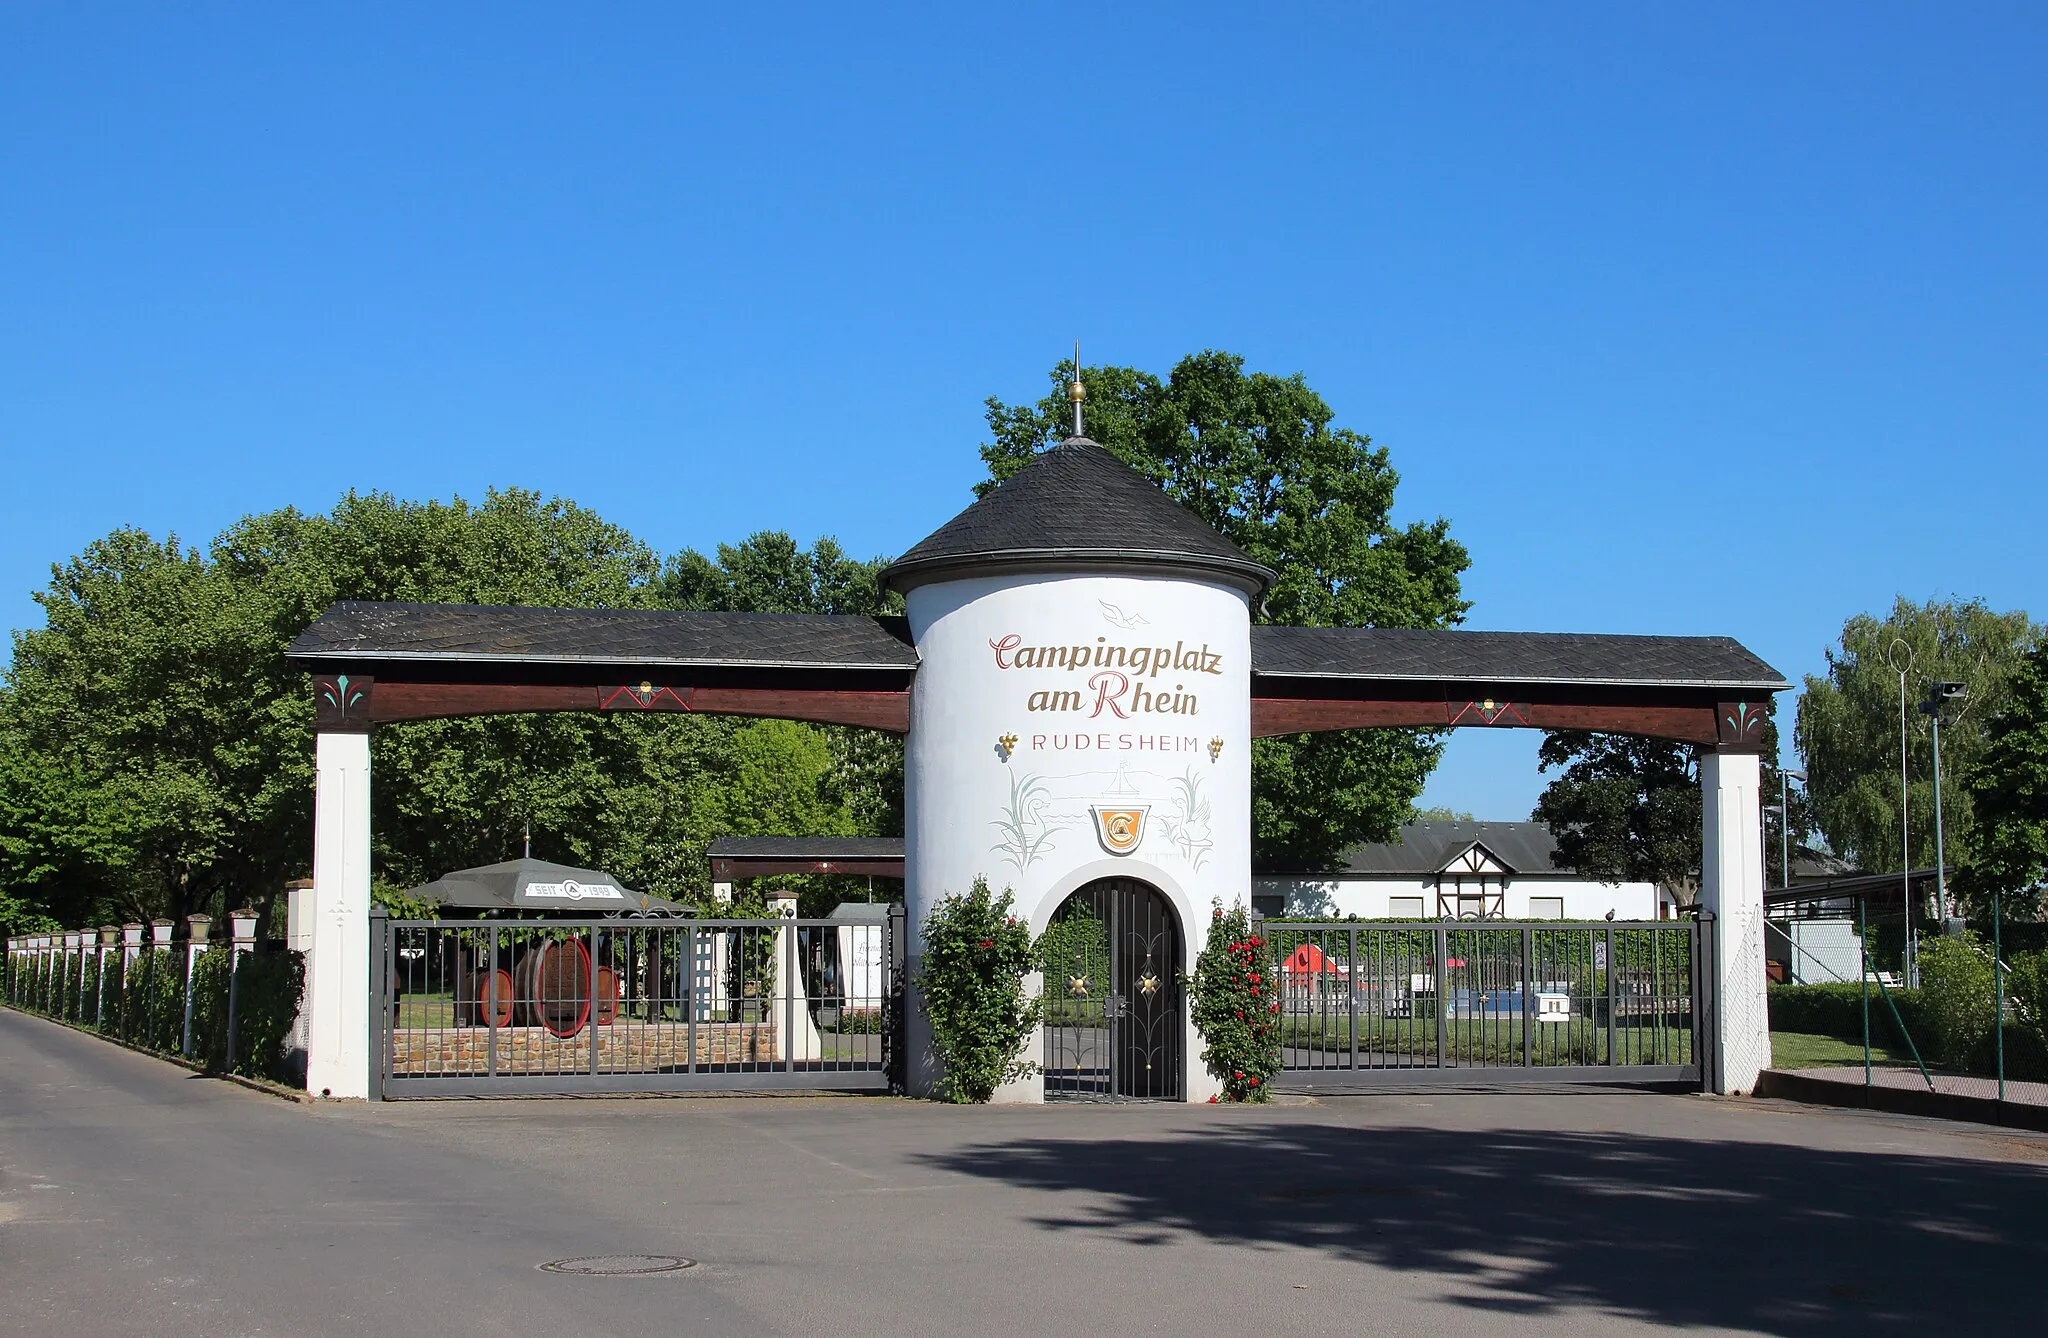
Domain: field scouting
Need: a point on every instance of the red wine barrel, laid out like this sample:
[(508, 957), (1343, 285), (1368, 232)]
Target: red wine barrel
[(473, 988), (553, 985), (605, 1004), (494, 997)]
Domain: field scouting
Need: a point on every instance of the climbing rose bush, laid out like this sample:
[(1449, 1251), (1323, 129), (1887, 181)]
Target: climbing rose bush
[(971, 984), (1237, 1008)]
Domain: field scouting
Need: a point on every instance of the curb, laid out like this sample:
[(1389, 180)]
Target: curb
[(1901, 1101)]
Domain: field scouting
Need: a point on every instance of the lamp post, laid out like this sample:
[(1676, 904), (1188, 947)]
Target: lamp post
[(1786, 775), (1899, 656), (1938, 696)]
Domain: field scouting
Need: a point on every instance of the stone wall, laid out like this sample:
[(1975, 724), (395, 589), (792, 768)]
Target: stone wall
[(622, 1047)]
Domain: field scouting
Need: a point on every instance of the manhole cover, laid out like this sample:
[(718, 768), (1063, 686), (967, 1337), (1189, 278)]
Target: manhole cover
[(620, 1265)]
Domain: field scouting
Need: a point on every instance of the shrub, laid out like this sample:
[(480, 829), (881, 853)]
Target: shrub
[(971, 984), (1956, 987), (114, 993), (269, 987), (1835, 1008), (2027, 987), (1237, 1008)]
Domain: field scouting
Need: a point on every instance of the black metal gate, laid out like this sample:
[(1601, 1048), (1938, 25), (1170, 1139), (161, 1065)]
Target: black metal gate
[(1114, 1025), (519, 1007), (1482, 1003)]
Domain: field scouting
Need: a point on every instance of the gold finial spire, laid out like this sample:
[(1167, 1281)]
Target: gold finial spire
[(1077, 392)]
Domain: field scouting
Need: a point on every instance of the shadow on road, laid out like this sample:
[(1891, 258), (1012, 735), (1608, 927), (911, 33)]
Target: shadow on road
[(1761, 1236)]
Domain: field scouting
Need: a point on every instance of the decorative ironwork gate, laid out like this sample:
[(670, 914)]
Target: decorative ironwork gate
[(1480, 1003), (516, 1007), (1114, 1025)]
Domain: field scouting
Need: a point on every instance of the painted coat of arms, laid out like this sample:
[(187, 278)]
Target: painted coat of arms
[(1120, 827)]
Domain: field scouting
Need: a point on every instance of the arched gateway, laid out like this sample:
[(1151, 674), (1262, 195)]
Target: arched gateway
[(1115, 1010), (1079, 680)]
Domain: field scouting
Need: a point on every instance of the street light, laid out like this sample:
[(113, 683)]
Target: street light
[(1899, 656), (1939, 695), (1786, 775)]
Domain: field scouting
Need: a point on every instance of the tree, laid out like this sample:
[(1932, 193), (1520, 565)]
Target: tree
[(1627, 809), (2007, 848), (1848, 725), (768, 573), (156, 750), (1257, 457)]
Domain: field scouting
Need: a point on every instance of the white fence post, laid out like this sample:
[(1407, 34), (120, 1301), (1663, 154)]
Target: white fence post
[(80, 942), (195, 945)]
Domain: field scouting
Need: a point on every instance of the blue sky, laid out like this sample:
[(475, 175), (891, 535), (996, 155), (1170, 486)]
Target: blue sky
[(1697, 320)]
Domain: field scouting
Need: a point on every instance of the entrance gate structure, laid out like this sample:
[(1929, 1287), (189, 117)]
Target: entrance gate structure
[(512, 1007), (1079, 680), (1483, 1003), (1113, 1024)]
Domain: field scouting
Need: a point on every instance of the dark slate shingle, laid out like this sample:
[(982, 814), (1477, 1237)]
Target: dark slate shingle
[(1400, 654), (1075, 503), (355, 630)]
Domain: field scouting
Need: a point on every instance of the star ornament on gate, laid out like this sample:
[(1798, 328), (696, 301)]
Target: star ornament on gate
[(1148, 984), (1077, 986)]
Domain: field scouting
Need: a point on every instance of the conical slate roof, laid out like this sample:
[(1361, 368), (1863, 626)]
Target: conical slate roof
[(1077, 506)]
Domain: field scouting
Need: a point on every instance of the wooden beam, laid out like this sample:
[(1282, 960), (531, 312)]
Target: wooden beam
[(1285, 715), (395, 701), (726, 868)]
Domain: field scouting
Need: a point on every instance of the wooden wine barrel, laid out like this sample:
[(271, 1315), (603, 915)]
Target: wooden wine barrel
[(605, 1002), (493, 1001), (480, 990), (552, 984)]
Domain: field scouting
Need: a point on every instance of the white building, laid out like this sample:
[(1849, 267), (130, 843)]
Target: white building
[(1460, 871)]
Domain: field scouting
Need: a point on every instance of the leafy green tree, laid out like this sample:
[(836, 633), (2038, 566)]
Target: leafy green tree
[(156, 749), (1627, 809), (1848, 725), (1257, 456), (1624, 809), (769, 574), (2007, 847)]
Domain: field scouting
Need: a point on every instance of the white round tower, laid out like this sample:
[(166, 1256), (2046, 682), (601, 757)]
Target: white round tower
[(1080, 734)]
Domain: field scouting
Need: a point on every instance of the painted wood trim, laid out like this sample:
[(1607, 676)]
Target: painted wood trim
[(393, 701), (724, 869), (1283, 715)]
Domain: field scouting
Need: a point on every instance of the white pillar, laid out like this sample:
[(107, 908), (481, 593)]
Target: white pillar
[(1732, 887), (338, 968), (791, 1002)]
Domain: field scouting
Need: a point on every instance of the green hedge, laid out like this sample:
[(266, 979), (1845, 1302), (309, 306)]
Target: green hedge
[(142, 1002), (1836, 1010)]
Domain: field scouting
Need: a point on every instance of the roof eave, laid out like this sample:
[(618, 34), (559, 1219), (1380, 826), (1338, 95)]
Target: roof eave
[(657, 661), (1253, 578), (1577, 680)]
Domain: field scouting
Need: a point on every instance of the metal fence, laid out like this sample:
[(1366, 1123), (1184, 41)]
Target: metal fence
[(229, 1004), (1475, 1003), (524, 1007)]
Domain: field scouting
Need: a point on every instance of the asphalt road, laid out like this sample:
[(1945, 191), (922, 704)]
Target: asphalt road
[(135, 1198)]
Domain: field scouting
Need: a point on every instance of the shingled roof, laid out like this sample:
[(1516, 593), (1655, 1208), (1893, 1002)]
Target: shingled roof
[(1076, 506), (474, 634), (1391, 654), (354, 631)]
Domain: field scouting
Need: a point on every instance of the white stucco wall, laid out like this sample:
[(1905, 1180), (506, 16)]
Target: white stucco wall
[(1370, 898), (1165, 731)]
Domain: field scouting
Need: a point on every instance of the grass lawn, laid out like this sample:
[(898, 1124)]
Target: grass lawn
[(1797, 1050)]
